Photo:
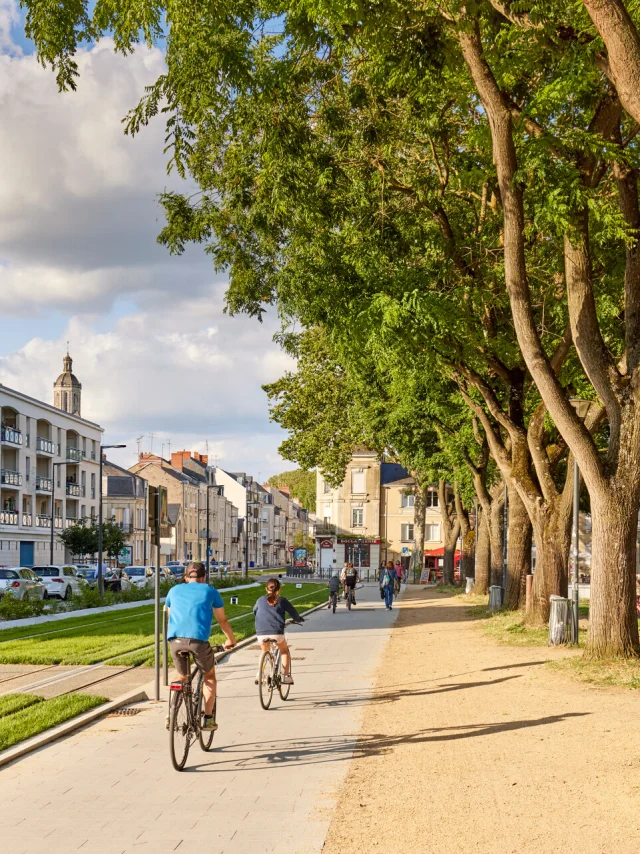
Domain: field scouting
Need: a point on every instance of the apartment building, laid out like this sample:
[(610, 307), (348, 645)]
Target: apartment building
[(49, 468), (370, 517), (201, 514), (124, 500), (243, 492), (348, 518)]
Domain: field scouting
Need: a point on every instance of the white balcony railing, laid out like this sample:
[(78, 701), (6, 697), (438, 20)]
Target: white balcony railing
[(8, 517)]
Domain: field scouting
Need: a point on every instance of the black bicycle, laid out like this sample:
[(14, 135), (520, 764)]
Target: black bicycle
[(333, 601), (270, 672), (186, 710)]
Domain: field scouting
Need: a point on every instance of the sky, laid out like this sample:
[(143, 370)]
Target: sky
[(162, 367)]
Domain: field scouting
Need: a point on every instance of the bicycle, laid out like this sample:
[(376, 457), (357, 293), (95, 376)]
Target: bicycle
[(333, 601), (270, 675), (185, 714)]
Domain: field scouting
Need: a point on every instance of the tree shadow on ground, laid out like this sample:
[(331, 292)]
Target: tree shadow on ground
[(314, 750)]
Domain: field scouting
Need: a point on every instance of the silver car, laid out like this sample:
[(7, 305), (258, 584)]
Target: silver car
[(61, 581), (21, 583)]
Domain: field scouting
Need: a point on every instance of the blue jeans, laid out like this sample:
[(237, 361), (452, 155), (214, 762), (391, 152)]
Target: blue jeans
[(388, 595)]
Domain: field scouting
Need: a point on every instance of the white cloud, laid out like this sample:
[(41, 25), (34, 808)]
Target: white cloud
[(183, 370), (78, 225)]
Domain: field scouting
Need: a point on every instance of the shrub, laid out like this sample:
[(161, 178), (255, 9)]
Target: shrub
[(17, 609), (229, 581)]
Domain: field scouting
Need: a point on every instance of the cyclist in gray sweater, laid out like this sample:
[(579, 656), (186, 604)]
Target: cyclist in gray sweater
[(270, 613)]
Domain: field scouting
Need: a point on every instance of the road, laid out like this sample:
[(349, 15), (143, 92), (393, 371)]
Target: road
[(270, 785)]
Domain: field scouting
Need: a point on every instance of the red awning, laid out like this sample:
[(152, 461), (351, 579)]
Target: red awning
[(439, 553)]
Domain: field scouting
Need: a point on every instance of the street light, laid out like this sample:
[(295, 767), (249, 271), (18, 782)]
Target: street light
[(582, 410), (53, 502), (100, 578)]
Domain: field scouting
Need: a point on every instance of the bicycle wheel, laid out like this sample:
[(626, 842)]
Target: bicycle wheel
[(265, 683), (284, 689), (179, 730), (335, 601), (205, 738), (349, 597)]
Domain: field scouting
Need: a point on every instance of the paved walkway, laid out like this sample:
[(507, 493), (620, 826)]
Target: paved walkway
[(270, 785)]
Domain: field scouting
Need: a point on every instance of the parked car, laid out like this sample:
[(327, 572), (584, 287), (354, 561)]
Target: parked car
[(60, 581), (22, 583), (176, 568), (116, 579), (89, 574)]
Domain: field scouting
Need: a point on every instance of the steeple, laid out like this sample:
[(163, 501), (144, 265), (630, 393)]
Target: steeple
[(67, 390)]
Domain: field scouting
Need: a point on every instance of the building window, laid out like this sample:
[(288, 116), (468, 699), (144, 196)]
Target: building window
[(432, 532), (358, 481), (326, 488), (407, 533), (28, 466), (407, 500), (93, 485), (432, 498), (357, 517)]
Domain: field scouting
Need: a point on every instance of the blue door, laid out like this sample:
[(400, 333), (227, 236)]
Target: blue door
[(26, 554)]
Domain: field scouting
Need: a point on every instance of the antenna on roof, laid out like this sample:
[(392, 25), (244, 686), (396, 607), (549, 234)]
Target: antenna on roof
[(139, 440), (151, 435)]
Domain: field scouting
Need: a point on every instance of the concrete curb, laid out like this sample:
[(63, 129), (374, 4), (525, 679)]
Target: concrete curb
[(44, 738), (137, 695)]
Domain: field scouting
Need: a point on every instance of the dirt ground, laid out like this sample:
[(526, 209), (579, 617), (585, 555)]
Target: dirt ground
[(468, 746)]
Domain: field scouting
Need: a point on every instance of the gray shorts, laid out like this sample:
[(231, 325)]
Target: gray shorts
[(202, 652)]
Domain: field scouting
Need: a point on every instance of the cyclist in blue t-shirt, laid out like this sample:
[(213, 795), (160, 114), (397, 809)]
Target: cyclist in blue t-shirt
[(191, 608)]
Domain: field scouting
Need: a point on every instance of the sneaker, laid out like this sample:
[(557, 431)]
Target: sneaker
[(208, 724), (287, 680)]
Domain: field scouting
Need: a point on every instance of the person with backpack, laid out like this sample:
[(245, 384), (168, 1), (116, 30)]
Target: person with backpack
[(387, 583), (351, 578)]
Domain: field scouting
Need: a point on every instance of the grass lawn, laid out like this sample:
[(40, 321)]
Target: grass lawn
[(24, 715), (90, 639), (510, 628)]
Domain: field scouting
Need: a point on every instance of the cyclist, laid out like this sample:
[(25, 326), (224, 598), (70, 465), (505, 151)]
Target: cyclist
[(191, 608), (270, 613), (334, 586), (351, 578)]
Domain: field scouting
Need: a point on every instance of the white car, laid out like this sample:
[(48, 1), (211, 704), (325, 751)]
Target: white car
[(61, 581), (140, 576), (21, 583)]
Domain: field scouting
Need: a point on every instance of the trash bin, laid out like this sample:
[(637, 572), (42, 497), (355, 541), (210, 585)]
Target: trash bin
[(558, 620), (495, 597), (470, 583)]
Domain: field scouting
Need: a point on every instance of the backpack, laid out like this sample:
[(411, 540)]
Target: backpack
[(386, 579)]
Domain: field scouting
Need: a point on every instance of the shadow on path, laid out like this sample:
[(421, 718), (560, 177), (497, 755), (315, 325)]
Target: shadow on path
[(321, 749)]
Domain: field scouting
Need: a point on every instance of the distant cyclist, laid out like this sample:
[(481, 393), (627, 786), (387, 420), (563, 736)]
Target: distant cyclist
[(192, 607), (270, 612), (350, 579), (334, 586)]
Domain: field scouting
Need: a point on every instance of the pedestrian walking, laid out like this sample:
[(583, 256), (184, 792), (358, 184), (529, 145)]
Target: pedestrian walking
[(398, 579), (387, 583)]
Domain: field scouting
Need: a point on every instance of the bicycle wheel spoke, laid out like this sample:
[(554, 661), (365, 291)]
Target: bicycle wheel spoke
[(179, 730)]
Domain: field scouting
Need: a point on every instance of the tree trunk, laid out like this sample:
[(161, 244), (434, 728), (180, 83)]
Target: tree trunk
[(496, 524), (552, 528), (467, 538), (419, 508), (450, 532), (518, 552), (613, 625), (483, 557)]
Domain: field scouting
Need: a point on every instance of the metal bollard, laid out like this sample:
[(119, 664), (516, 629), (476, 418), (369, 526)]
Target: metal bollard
[(165, 647), (495, 597), (558, 620), (470, 583)]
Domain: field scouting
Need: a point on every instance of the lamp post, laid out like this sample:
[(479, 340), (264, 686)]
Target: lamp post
[(582, 410), (100, 578), (53, 494)]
